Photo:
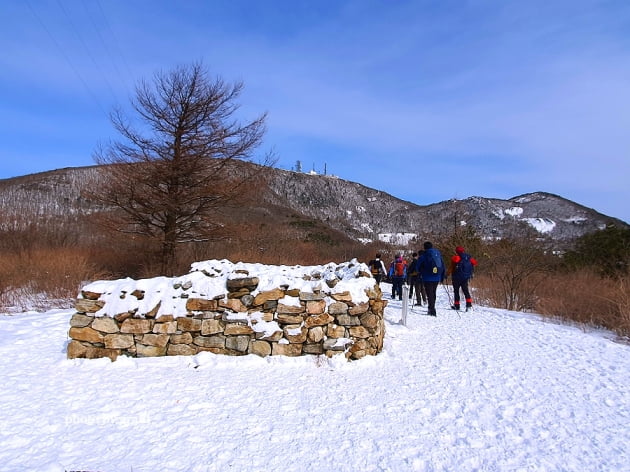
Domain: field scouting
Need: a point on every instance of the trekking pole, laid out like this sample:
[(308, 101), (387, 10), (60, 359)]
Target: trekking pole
[(450, 300)]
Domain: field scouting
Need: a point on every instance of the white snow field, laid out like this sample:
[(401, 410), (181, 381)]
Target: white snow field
[(487, 390)]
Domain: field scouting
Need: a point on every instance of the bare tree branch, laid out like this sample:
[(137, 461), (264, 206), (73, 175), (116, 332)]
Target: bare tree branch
[(170, 177)]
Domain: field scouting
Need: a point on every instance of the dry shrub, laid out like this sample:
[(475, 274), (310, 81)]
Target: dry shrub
[(29, 278), (587, 298)]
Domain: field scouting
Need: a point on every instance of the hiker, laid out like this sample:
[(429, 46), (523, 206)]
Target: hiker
[(431, 269), (398, 275), (415, 281), (461, 271), (377, 268)]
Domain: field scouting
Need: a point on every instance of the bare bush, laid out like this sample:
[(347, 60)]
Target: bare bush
[(514, 271)]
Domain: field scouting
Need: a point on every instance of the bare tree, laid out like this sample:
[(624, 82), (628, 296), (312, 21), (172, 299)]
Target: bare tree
[(516, 269), (168, 178)]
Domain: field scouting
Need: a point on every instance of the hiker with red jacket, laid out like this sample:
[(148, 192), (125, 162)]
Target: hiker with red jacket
[(461, 270), (398, 275)]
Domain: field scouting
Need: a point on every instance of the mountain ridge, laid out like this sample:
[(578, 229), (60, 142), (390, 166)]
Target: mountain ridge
[(362, 213)]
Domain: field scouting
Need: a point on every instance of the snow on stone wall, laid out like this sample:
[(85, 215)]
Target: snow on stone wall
[(233, 309)]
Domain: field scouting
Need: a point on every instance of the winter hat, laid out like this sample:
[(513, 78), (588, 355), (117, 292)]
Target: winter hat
[(427, 245), (459, 249)]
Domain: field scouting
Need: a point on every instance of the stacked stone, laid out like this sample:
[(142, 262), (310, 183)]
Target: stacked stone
[(322, 324)]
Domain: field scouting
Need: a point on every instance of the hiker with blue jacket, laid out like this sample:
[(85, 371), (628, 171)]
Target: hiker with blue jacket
[(461, 271), (431, 269)]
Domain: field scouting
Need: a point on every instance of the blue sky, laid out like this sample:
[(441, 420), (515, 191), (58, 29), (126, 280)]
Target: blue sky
[(426, 100)]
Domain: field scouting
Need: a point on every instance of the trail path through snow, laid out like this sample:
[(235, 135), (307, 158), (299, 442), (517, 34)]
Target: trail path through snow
[(487, 390)]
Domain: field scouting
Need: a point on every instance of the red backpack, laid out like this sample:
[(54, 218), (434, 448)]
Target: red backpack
[(399, 269)]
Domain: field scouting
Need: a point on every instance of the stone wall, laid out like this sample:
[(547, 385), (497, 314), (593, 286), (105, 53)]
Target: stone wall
[(333, 309)]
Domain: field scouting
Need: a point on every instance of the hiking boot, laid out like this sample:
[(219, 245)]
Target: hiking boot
[(468, 306), (455, 307)]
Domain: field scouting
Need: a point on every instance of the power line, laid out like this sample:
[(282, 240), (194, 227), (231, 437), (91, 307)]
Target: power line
[(114, 39), (87, 49), (92, 95)]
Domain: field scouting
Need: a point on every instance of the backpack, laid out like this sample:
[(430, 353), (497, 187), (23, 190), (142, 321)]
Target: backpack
[(399, 269), (464, 268), (375, 266), (413, 268), (435, 262)]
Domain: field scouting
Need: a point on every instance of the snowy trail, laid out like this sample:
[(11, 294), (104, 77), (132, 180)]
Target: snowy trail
[(492, 391)]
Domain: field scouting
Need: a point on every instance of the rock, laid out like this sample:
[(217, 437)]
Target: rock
[(295, 333), (369, 320), (315, 334), (260, 348), (79, 320), (359, 309), (90, 295), (247, 300), (158, 340), (315, 307), (216, 341), (359, 332), (169, 327), (150, 351), (76, 350), (211, 326), (105, 324), (136, 326), (119, 341), (318, 320), (284, 318), (232, 329), (250, 283), (120, 317), (340, 344), (275, 336), (184, 338), (289, 309), (334, 331), (233, 304), (347, 320), (181, 350), (338, 308), (342, 296), (237, 343), (311, 296), (152, 313), (201, 304), (83, 305), (291, 350), (86, 334), (188, 324), (269, 295), (315, 349)]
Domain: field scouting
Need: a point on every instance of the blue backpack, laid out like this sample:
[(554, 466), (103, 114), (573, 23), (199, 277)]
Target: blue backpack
[(464, 268), (438, 264)]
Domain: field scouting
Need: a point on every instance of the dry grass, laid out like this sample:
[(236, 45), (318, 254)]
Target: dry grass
[(589, 299), (36, 277)]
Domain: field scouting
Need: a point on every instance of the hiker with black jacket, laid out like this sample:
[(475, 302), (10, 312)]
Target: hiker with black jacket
[(461, 270), (415, 281), (431, 269), (377, 268)]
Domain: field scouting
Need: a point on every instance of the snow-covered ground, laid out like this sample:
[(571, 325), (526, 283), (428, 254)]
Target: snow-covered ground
[(487, 390)]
